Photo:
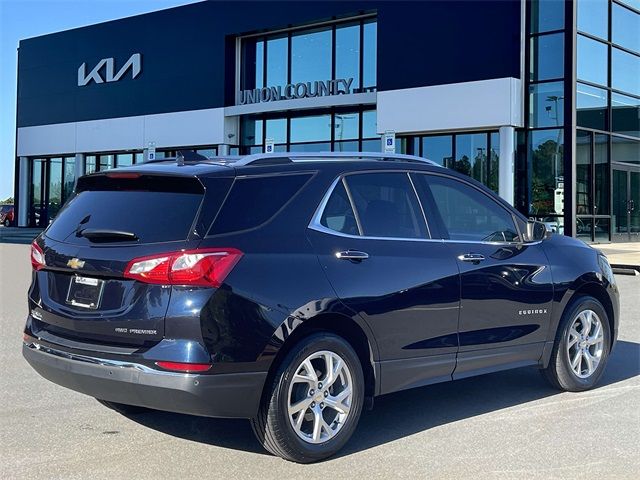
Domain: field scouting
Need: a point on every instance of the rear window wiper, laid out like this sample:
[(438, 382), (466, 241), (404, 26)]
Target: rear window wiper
[(106, 235)]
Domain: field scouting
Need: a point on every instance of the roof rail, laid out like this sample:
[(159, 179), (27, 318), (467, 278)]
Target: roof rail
[(329, 156)]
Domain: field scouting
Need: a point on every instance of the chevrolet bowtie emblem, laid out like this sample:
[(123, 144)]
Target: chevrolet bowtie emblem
[(75, 263)]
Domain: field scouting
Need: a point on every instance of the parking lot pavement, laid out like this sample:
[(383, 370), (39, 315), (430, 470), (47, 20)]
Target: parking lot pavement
[(504, 425)]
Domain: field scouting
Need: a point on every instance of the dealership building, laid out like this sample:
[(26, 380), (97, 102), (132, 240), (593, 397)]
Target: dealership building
[(539, 100)]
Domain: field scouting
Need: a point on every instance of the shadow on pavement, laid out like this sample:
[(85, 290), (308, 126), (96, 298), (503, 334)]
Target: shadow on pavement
[(405, 413)]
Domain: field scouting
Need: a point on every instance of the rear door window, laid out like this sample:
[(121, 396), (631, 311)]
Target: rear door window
[(154, 209), (254, 201), (387, 205)]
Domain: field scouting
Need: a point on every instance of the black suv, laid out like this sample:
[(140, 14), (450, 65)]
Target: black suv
[(291, 289)]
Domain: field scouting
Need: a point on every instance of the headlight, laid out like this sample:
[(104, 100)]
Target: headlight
[(606, 269)]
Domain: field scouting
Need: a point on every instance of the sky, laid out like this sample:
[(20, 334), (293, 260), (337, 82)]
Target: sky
[(21, 19)]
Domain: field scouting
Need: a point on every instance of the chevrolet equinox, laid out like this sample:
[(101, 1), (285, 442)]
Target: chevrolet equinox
[(292, 289)]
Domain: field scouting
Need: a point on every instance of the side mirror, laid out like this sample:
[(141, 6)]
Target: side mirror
[(536, 231)]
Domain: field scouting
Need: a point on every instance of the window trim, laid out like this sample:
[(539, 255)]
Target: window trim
[(315, 223)]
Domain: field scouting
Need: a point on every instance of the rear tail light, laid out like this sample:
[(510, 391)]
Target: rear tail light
[(37, 256), (184, 367), (202, 267)]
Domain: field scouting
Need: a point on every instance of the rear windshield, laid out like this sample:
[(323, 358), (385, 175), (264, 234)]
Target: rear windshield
[(154, 210)]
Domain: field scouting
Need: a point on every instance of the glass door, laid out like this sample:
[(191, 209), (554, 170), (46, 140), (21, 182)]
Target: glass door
[(626, 204)]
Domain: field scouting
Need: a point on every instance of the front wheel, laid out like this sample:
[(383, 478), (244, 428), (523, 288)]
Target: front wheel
[(581, 347), (315, 401)]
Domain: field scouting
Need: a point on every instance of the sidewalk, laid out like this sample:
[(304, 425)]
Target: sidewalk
[(621, 254), (18, 235)]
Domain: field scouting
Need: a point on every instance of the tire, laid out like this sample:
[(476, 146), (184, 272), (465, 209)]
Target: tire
[(275, 428), (560, 372), (123, 408)]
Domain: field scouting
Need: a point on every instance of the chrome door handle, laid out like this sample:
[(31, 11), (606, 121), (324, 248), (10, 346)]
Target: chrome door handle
[(471, 257), (354, 255)]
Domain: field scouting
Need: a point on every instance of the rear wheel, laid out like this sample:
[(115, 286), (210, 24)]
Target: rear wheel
[(315, 401), (581, 348), (123, 408)]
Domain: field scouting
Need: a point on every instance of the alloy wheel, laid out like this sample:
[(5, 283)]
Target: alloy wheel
[(320, 396), (585, 343)]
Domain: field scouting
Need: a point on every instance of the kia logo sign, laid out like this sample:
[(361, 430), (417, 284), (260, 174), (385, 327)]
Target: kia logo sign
[(107, 66)]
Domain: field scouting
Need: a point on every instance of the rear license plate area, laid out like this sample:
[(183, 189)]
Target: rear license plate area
[(85, 292)]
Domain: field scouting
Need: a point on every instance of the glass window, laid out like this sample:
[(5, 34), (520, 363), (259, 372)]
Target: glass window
[(369, 124), (38, 210), (370, 35), (625, 72), (547, 57), (601, 226), (69, 177), (310, 147), (346, 125), (632, 3), (277, 129), (252, 63), (255, 200), (494, 162), (338, 214), (259, 73), (105, 162), (138, 157), (90, 164), (124, 159), (251, 130), (371, 145), (277, 59), (387, 205), (592, 60), (176, 209), (311, 129), (625, 112), (547, 15), (55, 186), (348, 53), (601, 160), (311, 56), (470, 215), (401, 145), (546, 182), (471, 155), (583, 173), (625, 150), (206, 152), (438, 149), (625, 27), (346, 146), (546, 105), (593, 17), (591, 107)]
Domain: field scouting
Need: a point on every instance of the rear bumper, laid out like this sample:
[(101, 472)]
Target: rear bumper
[(234, 395)]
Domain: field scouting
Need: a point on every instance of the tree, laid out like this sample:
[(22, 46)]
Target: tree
[(8, 200)]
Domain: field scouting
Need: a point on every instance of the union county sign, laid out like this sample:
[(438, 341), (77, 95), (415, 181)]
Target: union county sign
[(317, 88)]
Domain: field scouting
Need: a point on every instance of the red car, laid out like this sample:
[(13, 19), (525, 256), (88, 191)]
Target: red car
[(6, 215)]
